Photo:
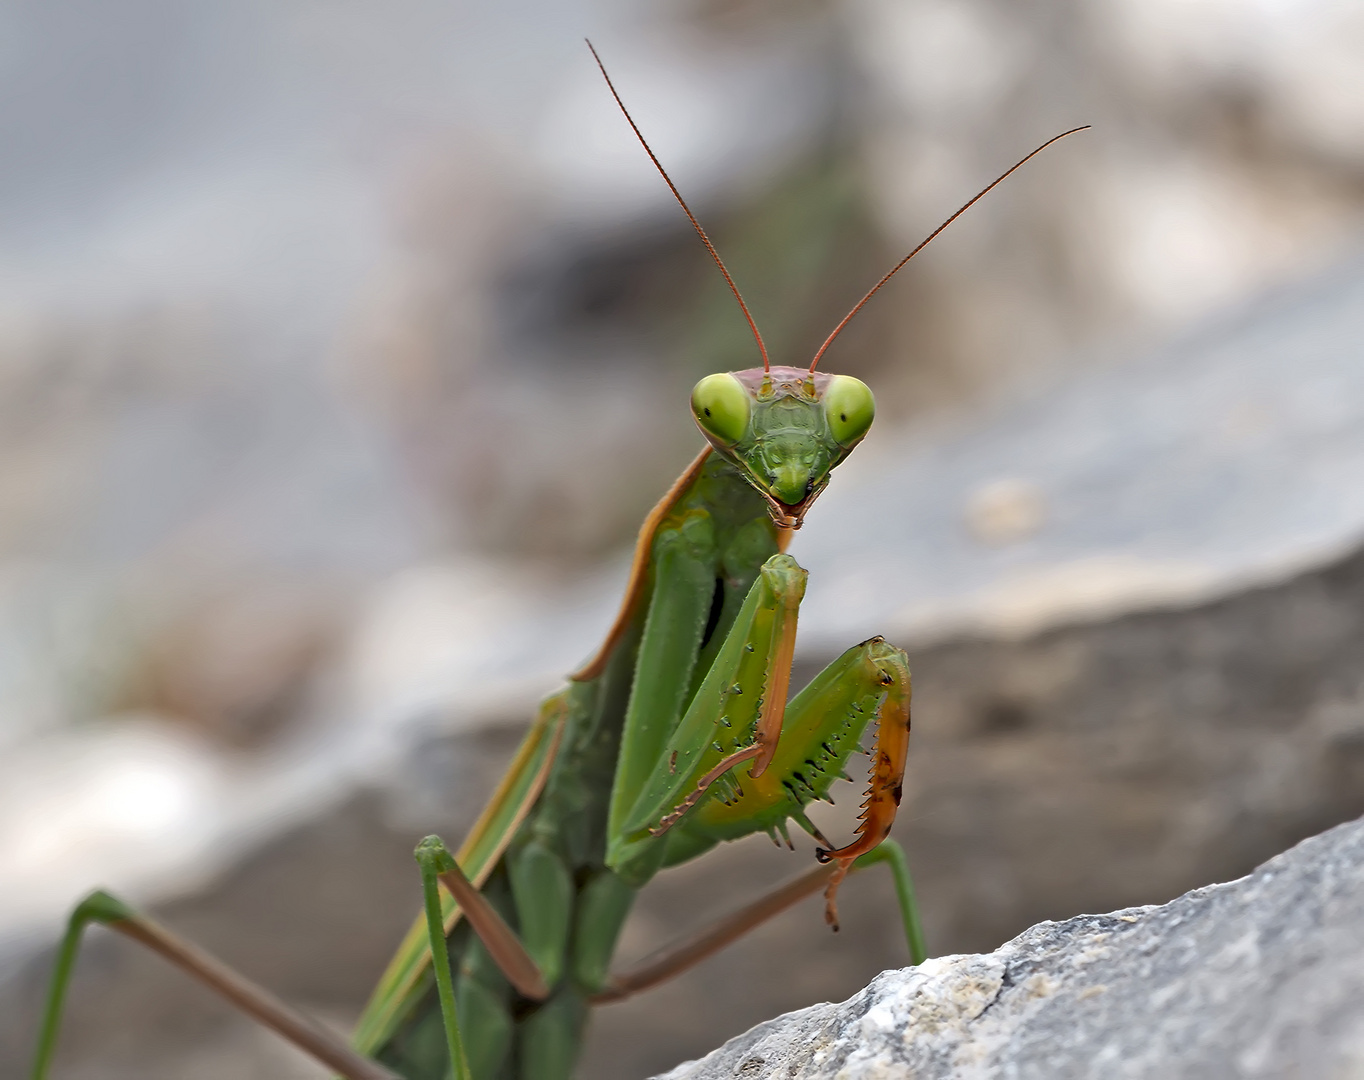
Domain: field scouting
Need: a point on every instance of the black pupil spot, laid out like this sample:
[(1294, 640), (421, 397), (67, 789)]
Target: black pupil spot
[(843, 416), (706, 411)]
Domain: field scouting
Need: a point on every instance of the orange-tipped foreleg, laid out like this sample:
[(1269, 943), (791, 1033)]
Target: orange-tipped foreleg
[(823, 726), (887, 777), (767, 729), (668, 820), (735, 716)]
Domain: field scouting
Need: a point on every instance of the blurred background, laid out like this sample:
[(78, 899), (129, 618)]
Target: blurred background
[(343, 347)]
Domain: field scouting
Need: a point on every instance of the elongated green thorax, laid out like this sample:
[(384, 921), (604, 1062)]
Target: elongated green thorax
[(784, 429)]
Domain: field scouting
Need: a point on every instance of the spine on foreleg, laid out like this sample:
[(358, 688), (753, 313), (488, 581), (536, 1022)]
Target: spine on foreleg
[(887, 771)]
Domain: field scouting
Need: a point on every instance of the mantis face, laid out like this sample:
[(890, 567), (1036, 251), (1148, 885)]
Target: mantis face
[(783, 429)]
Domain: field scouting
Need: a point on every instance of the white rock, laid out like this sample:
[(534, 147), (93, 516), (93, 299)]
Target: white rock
[(1260, 977)]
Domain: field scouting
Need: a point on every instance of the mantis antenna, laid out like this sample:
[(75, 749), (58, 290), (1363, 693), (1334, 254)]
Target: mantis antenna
[(767, 365), (964, 207)]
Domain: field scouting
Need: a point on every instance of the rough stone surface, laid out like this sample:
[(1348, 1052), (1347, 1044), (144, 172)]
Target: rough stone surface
[(1260, 977)]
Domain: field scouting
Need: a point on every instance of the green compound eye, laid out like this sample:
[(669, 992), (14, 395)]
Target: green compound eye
[(850, 409), (721, 406)]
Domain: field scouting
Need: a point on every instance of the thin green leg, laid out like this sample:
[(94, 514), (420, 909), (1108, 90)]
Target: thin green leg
[(434, 859), (98, 907), (305, 1033), (893, 855)]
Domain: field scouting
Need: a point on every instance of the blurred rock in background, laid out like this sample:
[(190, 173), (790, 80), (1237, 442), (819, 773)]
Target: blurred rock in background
[(342, 349)]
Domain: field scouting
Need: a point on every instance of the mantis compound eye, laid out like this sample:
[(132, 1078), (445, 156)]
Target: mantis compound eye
[(721, 406), (849, 409)]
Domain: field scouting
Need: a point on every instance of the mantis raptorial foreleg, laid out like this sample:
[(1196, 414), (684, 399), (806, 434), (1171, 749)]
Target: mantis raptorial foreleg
[(740, 704), (739, 713), (740, 701), (734, 698), (824, 723)]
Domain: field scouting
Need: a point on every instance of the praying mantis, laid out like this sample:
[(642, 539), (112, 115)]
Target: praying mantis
[(675, 736)]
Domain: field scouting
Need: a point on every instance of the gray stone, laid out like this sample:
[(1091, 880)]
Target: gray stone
[(1259, 977)]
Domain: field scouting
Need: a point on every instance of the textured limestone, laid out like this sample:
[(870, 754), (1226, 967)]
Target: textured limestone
[(1260, 977)]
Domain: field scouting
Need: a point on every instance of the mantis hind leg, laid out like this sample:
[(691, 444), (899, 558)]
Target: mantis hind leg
[(682, 955), (475, 1002), (105, 909), (893, 855), (521, 990)]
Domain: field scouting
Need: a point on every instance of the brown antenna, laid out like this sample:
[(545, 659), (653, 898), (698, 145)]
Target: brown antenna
[(767, 364), (965, 206)]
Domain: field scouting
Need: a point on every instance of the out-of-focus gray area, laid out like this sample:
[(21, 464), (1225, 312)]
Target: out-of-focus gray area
[(1224, 458), (343, 348)]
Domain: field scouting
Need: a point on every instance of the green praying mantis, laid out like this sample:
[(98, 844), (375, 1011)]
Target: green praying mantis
[(675, 736)]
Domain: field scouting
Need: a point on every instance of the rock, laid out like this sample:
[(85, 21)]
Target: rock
[(1259, 977)]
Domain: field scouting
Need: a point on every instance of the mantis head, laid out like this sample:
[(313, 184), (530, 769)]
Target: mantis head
[(784, 429)]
